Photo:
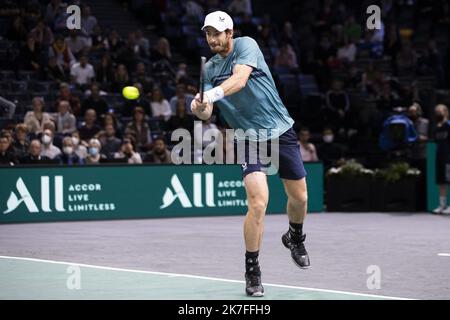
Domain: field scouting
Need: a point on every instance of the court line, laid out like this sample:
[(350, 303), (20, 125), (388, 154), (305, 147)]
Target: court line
[(444, 254), (201, 277)]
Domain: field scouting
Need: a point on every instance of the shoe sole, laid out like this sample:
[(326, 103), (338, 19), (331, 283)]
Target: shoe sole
[(256, 294), (295, 262)]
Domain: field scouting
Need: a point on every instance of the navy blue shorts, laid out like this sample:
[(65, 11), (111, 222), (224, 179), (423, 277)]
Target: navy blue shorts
[(290, 163)]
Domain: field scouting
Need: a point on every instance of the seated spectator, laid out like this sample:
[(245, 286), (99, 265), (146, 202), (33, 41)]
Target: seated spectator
[(337, 106), (240, 7), (181, 119), (29, 56), (159, 152), (7, 108), (181, 72), (35, 120), (98, 39), (110, 143), (49, 150), (54, 71), (329, 151), (69, 156), (111, 119), (143, 43), (94, 156), (114, 43), (55, 14), (140, 130), (387, 100), (181, 95), (121, 79), (42, 34), (34, 154), (407, 59), (161, 51), (76, 43), (82, 73), (286, 57), (352, 30), (307, 149), (62, 53), (130, 105), (7, 157), (94, 101), (347, 52), (160, 106), (57, 139), (18, 31), (372, 80), (66, 95), (78, 147), (21, 143), (130, 53), (104, 71), (142, 77), (127, 152), (88, 21), (90, 128), (66, 123)]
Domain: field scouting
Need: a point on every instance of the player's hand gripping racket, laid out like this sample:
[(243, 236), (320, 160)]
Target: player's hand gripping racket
[(202, 78)]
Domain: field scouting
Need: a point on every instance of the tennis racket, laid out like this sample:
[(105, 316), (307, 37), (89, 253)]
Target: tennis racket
[(202, 78)]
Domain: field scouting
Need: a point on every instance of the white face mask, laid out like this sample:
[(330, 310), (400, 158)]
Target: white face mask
[(75, 141), (68, 150), (46, 139), (328, 138)]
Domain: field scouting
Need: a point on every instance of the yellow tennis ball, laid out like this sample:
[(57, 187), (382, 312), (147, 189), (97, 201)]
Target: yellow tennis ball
[(130, 92)]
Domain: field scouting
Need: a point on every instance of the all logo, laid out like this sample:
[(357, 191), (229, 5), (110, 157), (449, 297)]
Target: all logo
[(176, 191), (22, 195)]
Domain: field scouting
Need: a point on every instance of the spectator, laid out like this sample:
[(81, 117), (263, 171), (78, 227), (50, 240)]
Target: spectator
[(110, 143), (69, 157), (421, 126), (159, 153), (347, 52), (372, 80), (29, 56), (54, 71), (337, 106), (247, 27), (286, 57), (34, 156), (140, 130), (21, 143), (142, 77), (181, 95), (94, 156), (7, 108), (90, 128), (121, 78), (160, 107), (127, 152), (240, 7), (113, 43), (98, 39), (111, 119), (161, 51), (392, 46), (55, 14), (57, 139), (307, 149), (88, 21), (143, 43), (129, 105), (407, 59), (76, 43), (62, 53), (442, 138), (105, 71), (35, 120), (181, 119), (266, 38), (65, 121), (7, 157), (130, 53), (329, 151), (82, 73), (95, 101), (17, 32), (49, 150), (78, 147), (65, 94), (42, 34)]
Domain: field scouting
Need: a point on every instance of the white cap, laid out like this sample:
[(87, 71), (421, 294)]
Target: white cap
[(219, 20)]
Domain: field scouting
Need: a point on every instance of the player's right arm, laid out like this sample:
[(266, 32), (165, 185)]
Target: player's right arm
[(202, 110)]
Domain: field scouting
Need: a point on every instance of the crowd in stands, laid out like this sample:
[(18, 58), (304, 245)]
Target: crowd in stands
[(60, 89)]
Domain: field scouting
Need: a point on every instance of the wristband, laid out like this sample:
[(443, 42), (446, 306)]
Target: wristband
[(214, 94)]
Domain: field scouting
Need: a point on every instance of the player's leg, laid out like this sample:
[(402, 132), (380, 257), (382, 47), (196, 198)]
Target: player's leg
[(257, 197), (292, 173)]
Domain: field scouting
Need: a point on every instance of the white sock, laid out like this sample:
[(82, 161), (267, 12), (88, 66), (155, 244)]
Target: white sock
[(442, 202)]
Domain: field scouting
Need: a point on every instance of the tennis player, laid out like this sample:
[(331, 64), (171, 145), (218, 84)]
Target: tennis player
[(238, 80)]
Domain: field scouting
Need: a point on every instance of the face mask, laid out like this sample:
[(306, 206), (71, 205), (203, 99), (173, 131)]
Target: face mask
[(328, 138), (93, 151), (75, 141), (46, 139), (68, 150)]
